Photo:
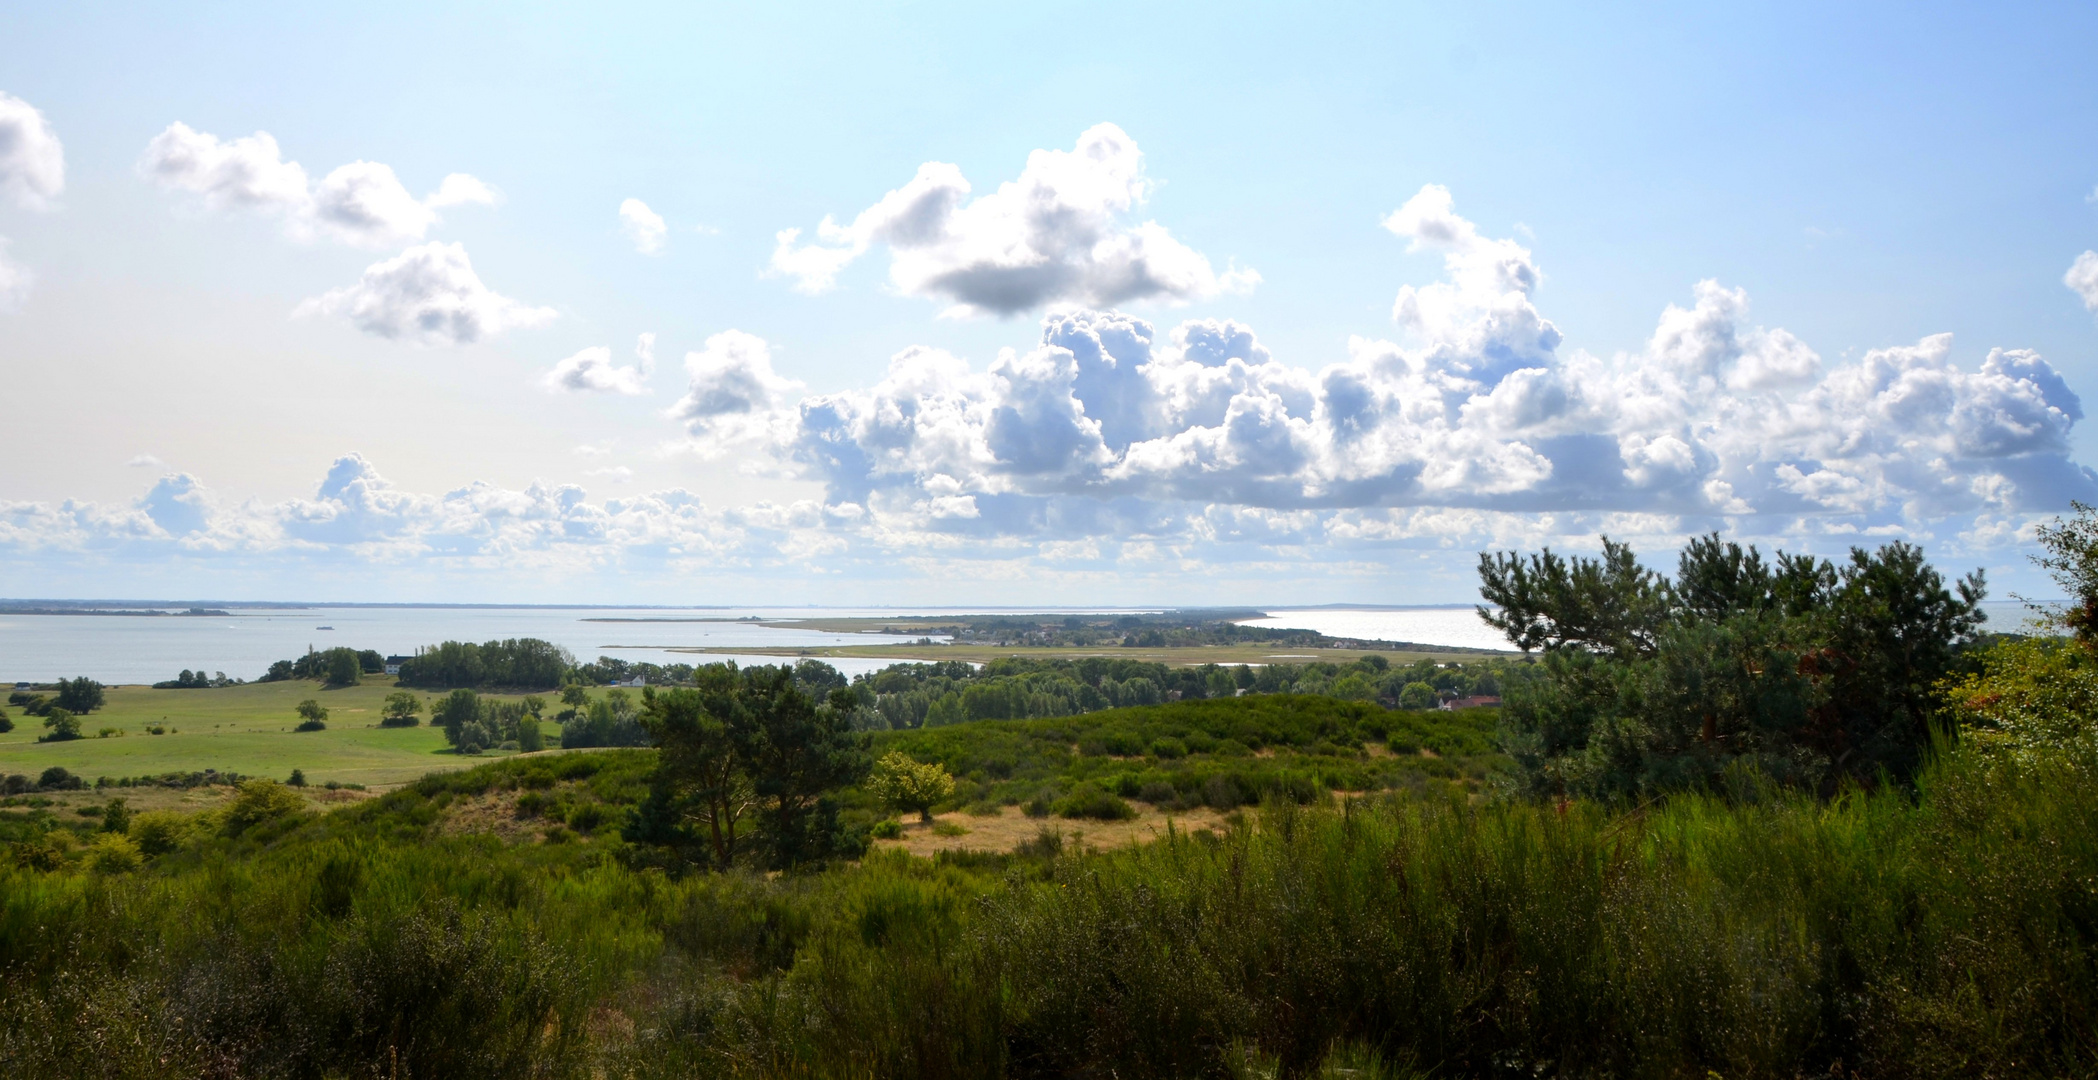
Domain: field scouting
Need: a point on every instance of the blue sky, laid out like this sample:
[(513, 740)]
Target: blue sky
[(208, 401)]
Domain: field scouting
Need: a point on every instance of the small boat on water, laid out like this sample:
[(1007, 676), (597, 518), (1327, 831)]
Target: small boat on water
[(324, 628)]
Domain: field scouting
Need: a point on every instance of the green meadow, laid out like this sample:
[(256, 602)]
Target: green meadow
[(243, 729)]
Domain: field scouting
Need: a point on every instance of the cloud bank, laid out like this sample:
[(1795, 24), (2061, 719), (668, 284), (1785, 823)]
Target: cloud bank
[(1115, 451), (1057, 234), (1715, 421)]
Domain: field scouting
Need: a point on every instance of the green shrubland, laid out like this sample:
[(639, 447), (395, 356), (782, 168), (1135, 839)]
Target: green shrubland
[(1952, 930)]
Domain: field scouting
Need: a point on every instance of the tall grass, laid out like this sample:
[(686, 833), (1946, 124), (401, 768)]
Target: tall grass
[(1950, 931)]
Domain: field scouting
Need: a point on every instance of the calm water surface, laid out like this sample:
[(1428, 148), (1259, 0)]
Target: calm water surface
[(1461, 626), (140, 649)]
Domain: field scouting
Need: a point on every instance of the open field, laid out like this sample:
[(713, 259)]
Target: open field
[(1188, 656), (244, 729)]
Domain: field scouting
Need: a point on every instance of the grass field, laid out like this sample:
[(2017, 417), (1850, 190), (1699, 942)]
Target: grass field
[(244, 729), (1188, 656)]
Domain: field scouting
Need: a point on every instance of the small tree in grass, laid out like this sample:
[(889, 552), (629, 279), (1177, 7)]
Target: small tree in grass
[(400, 709), (904, 784), (314, 714), (1418, 695), (63, 724)]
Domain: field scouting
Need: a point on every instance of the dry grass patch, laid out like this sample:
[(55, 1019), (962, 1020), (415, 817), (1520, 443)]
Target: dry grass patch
[(1011, 828)]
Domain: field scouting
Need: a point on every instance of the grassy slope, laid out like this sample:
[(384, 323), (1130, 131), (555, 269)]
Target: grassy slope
[(244, 729), (1261, 740)]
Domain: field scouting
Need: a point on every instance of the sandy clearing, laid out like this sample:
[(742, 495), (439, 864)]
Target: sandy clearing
[(1011, 828)]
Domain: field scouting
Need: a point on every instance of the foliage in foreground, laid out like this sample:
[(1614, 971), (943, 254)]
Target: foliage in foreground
[(1764, 934)]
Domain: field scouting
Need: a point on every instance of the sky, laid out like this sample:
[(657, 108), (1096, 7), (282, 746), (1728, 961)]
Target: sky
[(1091, 304)]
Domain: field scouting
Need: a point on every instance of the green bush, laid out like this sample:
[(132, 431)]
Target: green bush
[(113, 853), (1090, 801), (587, 817), (157, 832), (260, 801)]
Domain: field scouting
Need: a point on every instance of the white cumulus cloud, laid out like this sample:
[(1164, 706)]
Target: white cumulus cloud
[(1057, 234), (592, 370), (643, 226), (733, 394), (1195, 453), (362, 203), (1107, 424), (2082, 279), (429, 294), (461, 189), (32, 162)]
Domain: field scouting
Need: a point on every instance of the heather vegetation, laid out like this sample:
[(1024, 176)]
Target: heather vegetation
[(1857, 840)]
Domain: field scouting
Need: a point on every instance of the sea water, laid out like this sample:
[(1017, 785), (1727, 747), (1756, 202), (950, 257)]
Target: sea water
[(243, 642)]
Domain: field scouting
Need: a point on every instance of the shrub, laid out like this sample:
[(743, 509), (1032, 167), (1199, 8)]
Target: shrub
[(886, 829), (312, 725), (157, 832), (587, 817), (1223, 793), (58, 778), (1157, 793), (113, 853), (1418, 695), (1091, 801), (1168, 749), (260, 801), (116, 817), (529, 738)]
